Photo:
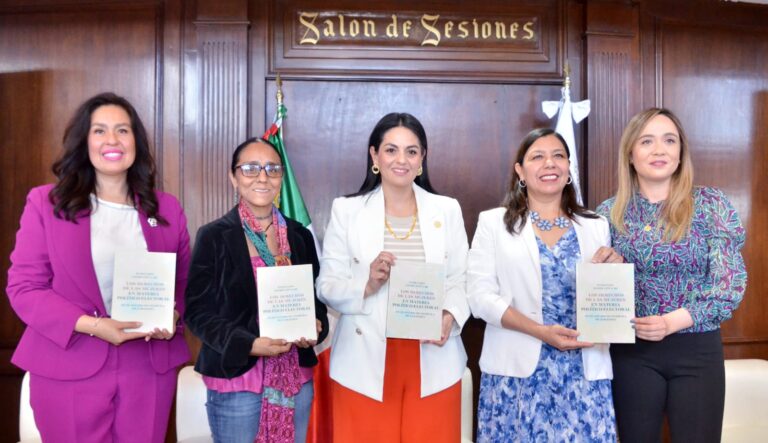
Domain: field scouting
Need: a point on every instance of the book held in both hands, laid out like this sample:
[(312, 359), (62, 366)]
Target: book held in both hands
[(143, 289), (286, 302)]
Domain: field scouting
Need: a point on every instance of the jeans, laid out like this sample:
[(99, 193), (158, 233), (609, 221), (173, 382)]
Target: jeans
[(234, 416)]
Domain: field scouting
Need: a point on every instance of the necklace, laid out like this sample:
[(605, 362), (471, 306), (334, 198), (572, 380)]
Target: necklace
[(259, 241), (258, 235), (546, 225), (647, 219), (407, 235), (263, 217)]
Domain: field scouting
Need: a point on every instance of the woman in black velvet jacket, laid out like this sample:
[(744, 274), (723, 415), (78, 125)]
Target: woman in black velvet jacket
[(237, 363)]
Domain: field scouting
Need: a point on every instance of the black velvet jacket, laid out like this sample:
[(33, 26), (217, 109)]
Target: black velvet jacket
[(221, 302)]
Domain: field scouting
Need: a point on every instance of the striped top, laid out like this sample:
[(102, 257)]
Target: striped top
[(410, 249)]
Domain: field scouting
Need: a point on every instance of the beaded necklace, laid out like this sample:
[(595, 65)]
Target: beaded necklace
[(546, 225)]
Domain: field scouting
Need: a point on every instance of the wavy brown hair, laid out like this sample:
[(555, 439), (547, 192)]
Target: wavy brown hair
[(516, 200), (677, 210), (77, 176)]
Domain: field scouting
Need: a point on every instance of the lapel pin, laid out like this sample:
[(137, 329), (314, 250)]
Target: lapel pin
[(438, 224), (152, 222)]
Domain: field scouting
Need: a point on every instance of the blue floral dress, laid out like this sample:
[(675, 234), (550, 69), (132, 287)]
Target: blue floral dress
[(557, 403)]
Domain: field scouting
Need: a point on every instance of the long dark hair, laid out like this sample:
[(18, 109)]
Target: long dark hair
[(77, 176), (516, 200), (389, 121)]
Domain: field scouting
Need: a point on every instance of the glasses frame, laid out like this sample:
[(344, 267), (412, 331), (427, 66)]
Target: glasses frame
[(273, 170)]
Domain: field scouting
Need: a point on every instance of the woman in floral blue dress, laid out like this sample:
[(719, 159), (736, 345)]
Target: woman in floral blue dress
[(539, 382), (685, 242)]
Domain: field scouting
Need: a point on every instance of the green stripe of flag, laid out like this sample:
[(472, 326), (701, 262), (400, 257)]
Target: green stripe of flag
[(291, 203)]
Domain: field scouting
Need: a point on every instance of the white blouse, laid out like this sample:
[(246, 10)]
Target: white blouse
[(114, 227)]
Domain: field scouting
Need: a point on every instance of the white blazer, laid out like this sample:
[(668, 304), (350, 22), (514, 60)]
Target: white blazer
[(505, 270), (353, 239)]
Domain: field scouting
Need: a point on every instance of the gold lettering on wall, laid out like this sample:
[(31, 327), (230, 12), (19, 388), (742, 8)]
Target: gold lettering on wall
[(312, 39), (427, 29)]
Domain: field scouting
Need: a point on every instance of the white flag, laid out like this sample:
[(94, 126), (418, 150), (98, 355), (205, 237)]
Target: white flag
[(569, 113)]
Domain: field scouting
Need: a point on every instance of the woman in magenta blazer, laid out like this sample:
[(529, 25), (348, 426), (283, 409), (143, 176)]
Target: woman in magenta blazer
[(91, 380)]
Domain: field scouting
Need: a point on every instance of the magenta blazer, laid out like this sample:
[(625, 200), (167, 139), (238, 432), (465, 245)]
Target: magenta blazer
[(51, 283)]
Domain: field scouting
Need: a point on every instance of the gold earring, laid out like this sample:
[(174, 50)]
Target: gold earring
[(420, 171), (375, 169)]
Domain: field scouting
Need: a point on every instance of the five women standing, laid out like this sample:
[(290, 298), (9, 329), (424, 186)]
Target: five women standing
[(539, 381)]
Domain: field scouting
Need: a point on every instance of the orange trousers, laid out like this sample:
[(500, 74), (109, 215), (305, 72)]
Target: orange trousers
[(403, 416)]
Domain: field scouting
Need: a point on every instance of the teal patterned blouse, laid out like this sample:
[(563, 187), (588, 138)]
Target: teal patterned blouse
[(703, 273)]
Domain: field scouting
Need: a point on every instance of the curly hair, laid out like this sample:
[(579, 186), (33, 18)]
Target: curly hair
[(77, 176)]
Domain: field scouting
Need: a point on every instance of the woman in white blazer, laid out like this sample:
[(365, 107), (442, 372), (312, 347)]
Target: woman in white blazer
[(539, 382), (387, 389)]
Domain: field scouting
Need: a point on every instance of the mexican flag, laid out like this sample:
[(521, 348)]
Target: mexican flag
[(289, 200), (292, 205)]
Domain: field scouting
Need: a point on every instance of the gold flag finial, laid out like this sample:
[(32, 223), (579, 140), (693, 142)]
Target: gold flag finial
[(567, 82), (279, 82)]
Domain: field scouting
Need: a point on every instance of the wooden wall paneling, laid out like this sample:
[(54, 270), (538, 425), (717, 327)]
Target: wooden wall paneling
[(215, 111), (713, 77), (169, 98), (24, 163), (259, 43), (534, 60), (613, 86), (54, 56), (576, 60)]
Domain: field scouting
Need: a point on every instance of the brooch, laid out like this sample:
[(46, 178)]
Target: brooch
[(152, 222)]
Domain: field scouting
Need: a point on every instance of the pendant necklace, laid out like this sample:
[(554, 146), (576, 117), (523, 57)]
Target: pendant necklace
[(648, 219)]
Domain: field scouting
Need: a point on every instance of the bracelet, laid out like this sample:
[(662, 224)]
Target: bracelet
[(96, 323)]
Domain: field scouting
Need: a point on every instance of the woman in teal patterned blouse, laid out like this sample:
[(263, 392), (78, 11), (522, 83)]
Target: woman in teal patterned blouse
[(685, 242)]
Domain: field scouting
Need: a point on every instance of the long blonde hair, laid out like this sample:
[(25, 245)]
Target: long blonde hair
[(677, 211)]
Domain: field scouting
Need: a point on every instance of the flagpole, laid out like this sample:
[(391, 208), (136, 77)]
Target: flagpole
[(568, 114)]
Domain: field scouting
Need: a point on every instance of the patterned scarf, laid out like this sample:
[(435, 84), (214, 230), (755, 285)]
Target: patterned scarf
[(281, 373)]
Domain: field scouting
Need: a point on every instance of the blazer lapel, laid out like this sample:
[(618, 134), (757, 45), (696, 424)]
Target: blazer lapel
[(370, 225), (529, 239), (153, 235), (432, 225), (73, 249), (578, 225), (238, 256)]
